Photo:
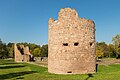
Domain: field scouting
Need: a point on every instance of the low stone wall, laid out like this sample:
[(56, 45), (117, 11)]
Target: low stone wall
[(39, 59)]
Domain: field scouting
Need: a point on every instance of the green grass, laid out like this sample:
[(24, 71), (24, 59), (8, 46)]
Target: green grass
[(23, 71)]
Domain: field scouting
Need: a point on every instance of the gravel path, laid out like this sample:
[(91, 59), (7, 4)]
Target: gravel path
[(43, 64)]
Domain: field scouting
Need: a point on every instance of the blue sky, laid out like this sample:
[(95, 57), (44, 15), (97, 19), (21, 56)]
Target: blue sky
[(27, 20)]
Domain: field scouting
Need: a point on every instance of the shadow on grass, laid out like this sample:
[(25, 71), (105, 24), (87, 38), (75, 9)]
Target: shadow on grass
[(8, 63), (8, 67), (89, 76), (17, 74), (20, 78)]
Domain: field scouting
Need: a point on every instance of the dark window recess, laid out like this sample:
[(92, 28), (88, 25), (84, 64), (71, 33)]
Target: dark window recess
[(76, 44), (65, 44), (69, 72), (91, 44)]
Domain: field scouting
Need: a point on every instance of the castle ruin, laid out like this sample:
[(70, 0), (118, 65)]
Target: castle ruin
[(71, 44), (22, 54)]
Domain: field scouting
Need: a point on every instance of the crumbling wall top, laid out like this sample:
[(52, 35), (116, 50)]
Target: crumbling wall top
[(68, 16)]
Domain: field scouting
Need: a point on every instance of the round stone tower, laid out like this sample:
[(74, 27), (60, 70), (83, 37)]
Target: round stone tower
[(71, 44)]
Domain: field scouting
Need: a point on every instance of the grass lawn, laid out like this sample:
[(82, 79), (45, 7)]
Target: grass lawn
[(23, 71)]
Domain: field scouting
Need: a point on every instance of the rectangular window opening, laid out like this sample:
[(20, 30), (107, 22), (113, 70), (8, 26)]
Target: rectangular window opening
[(91, 44), (65, 44), (69, 72), (76, 44)]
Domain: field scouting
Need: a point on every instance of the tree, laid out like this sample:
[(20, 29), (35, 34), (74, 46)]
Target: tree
[(44, 50), (111, 50), (102, 49), (10, 47), (99, 51), (32, 47), (116, 42), (36, 52), (1, 46), (3, 49)]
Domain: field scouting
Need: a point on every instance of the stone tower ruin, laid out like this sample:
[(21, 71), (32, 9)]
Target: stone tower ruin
[(71, 44)]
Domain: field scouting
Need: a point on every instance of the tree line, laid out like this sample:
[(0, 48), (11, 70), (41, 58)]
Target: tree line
[(102, 49), (109, 50), (7, 50)]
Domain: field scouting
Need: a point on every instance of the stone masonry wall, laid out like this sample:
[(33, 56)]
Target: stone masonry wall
[(71, 44), (22, 57), (26, 50), (17, 55)]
